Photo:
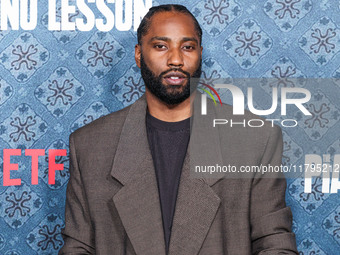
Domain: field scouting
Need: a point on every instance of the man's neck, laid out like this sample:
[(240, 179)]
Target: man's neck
[(169, 113)]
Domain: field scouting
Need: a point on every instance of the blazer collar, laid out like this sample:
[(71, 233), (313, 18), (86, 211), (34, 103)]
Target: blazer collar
[(137, 201)]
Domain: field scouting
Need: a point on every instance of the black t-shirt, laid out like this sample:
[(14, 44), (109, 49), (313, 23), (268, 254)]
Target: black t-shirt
[(168, 143)]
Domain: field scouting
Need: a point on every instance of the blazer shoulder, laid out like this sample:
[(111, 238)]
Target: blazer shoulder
[(247, 129), (252, 121), (112, 122)]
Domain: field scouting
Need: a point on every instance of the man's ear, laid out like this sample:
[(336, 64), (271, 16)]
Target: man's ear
[(201, 51), (138, 52)]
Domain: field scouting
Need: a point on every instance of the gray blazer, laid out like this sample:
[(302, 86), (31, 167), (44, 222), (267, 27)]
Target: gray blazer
[(112, 201)]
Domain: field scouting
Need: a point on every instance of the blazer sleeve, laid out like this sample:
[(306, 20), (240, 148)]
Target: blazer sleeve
[(271, 220), (78, 233)]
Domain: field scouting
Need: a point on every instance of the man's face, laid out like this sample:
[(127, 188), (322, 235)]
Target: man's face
[(169, 55)]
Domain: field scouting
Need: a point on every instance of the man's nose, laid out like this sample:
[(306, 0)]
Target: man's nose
[(175, 58)]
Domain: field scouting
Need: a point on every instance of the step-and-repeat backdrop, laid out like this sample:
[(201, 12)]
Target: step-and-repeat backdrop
[(64, 63)]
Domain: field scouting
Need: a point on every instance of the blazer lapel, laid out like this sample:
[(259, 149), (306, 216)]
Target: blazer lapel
[(197, 203), (137, 202), (195, 211)]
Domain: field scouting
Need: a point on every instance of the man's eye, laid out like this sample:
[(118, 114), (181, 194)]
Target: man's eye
[(160, 46), (189, 47)]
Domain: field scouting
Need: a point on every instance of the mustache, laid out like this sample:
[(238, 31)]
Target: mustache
[(174, 70)]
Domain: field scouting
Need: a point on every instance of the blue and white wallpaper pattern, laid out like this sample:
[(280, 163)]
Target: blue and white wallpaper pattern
[(53, 82)]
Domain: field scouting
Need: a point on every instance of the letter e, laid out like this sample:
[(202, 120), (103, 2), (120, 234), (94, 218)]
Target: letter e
[(8, 167)]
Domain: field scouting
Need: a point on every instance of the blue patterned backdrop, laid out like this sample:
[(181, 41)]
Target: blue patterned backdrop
[(53, 82)]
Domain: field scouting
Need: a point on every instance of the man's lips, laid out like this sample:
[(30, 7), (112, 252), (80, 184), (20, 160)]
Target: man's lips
[(175, 78)]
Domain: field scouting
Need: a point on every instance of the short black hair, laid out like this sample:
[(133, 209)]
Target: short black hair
[(145, 23)]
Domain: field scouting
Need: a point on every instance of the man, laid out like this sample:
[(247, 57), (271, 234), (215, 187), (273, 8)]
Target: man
[(130, 191)]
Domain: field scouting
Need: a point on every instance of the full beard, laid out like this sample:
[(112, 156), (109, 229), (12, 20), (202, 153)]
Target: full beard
[(169, 94)]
